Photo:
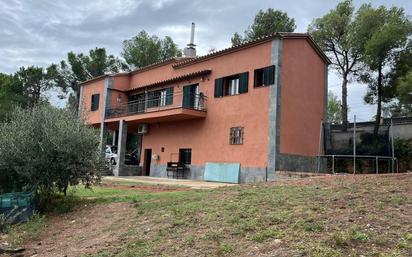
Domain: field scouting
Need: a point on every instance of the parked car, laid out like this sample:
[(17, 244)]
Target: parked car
[(132, 158), (111, 154)]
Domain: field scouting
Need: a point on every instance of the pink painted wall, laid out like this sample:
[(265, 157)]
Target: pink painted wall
[(302, 98), (89, 89)]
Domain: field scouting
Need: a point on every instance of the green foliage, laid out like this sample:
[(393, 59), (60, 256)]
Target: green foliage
[(11, 95), (143, 50), (68, 74), (46, 149), (334, 109), (265, 23), (403, 151), (334, 33), (35, 83), (381, 34)]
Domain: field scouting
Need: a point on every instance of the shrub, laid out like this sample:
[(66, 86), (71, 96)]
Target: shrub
[(403, 151), (46, 150)]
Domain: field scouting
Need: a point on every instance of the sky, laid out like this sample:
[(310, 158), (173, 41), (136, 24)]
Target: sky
[(41, 32)]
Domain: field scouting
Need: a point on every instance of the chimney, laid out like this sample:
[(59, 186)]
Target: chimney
[(190, 50)]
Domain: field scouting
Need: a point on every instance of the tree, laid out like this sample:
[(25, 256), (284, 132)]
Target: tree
[(334, 33), (400, 84), (266, 23), (383, 33), (11, 95), (35, 82), (46, 150), (80, 67), (334, 109), (143, 50)]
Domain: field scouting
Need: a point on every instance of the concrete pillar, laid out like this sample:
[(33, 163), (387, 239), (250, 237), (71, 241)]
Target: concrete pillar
[(103, 138), (121, 148)]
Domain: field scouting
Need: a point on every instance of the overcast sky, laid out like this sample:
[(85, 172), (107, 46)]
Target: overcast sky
[(41, 32)]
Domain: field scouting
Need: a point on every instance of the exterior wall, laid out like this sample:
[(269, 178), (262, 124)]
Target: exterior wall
[(95, 87), (302, 98), (209, 137)]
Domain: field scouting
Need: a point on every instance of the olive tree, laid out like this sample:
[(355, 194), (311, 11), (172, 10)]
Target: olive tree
[(45, 150)]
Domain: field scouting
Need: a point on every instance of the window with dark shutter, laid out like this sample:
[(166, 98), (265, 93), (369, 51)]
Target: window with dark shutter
[(244, 81), (232, 85), (95, 102), (169, 96), (219, 87), (264, 76)]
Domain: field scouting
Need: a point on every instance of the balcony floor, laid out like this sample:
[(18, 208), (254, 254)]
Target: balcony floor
[(161, 116)]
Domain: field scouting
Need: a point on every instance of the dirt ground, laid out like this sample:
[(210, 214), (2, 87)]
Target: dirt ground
[(86, 230)]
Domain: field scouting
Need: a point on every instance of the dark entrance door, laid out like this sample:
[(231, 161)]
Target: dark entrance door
[(147, 162), (190, 96)]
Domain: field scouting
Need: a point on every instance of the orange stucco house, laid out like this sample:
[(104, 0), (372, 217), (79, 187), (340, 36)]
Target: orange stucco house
[(258, 105)]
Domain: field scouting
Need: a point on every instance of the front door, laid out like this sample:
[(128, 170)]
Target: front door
[(147, 162)]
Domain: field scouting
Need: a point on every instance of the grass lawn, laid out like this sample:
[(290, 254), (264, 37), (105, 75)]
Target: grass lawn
[(333, 216)]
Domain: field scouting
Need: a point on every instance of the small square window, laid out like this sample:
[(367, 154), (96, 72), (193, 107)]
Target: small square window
[(236, 136)]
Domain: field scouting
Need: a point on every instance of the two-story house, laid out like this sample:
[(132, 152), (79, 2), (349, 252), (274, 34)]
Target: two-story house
[(258, 105)]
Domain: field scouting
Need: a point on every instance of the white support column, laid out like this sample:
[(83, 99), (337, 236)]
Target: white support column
[(121, 148)]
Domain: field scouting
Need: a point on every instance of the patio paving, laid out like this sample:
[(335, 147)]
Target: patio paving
[(195, 184)]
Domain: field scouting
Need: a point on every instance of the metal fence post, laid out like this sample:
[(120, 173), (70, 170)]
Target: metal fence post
[(333, 164), (377, 165), (354, 144)]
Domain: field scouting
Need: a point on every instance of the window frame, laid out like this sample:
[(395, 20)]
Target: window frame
[(263, 73), (235, 84), (236, 136), (183, 152), (95, 102)]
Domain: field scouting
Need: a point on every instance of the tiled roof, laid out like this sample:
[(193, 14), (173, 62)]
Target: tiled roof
[(174, 79), (185, 61), (252, 43)]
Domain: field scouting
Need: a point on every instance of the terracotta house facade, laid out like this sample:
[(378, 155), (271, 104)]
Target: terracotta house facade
[(258, 104)]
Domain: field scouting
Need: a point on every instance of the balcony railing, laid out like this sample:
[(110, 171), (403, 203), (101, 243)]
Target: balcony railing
[(164, 102)]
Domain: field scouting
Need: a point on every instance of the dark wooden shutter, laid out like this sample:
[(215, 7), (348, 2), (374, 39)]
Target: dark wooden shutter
[(243, 82), (269, 75), (169, 96), (151, 99), (219, 87), (186, 96), (95, 102)]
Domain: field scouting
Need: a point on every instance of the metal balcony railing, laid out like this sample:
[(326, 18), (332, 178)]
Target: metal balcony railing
[(159, 103)]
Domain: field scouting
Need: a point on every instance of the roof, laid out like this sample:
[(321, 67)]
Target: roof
[(253, 43), (174, 79), (179, 62)]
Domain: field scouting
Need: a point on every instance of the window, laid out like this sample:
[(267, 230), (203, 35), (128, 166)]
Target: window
[(232, 85), (161, 97), (265, 76), (236, 136), (95, 102), (185, 156)]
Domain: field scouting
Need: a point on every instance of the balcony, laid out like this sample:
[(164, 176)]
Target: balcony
[(166, 107)]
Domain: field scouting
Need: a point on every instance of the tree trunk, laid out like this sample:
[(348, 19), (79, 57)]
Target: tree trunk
[(379, 102), (344, 109)]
